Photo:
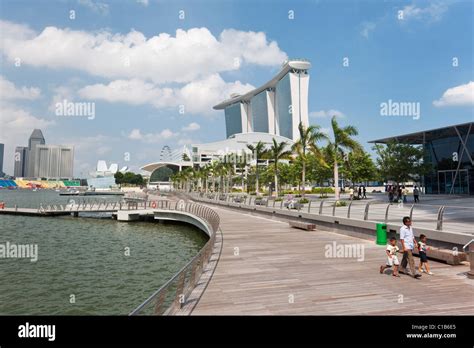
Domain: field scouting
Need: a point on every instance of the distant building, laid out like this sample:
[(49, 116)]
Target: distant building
[(36, 138), (39, 160), (103, 171), (2, 148), (21, 159), (53, 161)]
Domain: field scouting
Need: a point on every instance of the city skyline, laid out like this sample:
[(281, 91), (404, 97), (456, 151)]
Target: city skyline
[(140, 99)]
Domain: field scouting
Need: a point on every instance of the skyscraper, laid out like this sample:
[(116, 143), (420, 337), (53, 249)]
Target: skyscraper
[(36, 138), (53, 161), (39, 160), (21, 161), (275, 108)]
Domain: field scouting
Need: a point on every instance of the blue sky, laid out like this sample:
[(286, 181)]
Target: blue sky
[(128, 58)]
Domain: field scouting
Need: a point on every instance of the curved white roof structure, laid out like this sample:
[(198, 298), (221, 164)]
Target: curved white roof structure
[(151, 167)]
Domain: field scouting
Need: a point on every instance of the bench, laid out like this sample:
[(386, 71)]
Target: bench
[(261, 201), (445, 255), (302, 225)]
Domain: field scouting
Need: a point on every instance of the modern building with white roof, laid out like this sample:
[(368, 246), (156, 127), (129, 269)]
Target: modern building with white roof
[(271, 111)]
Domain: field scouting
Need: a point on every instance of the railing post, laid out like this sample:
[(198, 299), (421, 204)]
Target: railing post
[(334, 208), (366, 211), (349, 210), (439, 223), (321, 207), (281, 203), (309, 207), (386, 212)]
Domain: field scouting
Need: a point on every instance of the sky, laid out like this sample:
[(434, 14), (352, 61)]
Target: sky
[(151, 70)]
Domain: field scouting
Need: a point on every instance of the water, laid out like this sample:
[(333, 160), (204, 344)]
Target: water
[(84, 259)]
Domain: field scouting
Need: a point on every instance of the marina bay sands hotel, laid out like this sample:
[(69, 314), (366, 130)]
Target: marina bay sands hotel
[(273, 110)]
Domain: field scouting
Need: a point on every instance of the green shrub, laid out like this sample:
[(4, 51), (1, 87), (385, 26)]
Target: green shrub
[(304, 200), (322, 190), (340, 203)]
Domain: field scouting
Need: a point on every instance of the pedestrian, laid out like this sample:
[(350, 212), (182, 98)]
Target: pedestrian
[(416, 194), (359, 192), (390, 195), (351, 193), (392, 258), (422, 247), (404, 193), (364, 192), (408, 244), (399, 194)]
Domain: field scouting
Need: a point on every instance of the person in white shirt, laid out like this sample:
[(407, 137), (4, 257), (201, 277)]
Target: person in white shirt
[(408, 244), (392, 258)]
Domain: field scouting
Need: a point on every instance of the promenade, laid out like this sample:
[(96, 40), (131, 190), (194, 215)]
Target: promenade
[(268, 268)]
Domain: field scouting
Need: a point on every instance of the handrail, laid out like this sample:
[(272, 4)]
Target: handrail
[(377, 211), (467, 244), (188, 275)]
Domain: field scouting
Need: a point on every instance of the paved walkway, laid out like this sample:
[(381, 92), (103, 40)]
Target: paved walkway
[(284, 271)]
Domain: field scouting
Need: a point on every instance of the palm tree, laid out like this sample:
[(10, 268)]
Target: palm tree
[(342, 142), (258, 151), (276, 153), (309, 136)]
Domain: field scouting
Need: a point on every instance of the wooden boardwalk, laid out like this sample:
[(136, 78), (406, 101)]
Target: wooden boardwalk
[(277, 270)]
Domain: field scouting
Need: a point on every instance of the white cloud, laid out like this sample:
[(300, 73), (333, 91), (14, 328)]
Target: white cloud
[(456, 96), (326, 114), (193, 126), (433, 12), (152, 138), (96, 6), (9, 91), (143, 2), (187, 141), (197, 97), (367, 27), (186, 56)]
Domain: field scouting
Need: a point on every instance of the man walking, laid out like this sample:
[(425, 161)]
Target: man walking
[(408, 244), (416, 194)]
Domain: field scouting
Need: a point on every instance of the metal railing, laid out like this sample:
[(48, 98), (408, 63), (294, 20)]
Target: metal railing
[(440, 218), (175, 292)]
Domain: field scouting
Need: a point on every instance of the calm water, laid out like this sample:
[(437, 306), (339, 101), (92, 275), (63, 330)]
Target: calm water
[(85, 257)]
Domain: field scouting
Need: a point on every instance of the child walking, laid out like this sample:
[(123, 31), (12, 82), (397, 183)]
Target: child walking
[(423, 258), (392, 258)]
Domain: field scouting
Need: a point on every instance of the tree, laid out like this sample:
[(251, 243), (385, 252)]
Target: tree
[(400, 162), (359, 167), (276, 153), (258, 151), (308, 137), (118, 178), (342, 141)]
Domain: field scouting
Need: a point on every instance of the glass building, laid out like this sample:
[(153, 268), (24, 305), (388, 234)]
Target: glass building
[(233, 119), (450, 152), (260, 112), (283, 106)]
